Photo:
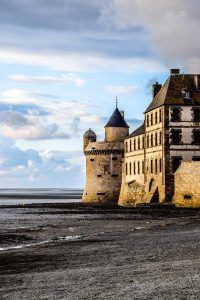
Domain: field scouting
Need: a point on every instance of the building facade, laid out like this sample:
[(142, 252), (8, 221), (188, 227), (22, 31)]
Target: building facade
[(170, 135)]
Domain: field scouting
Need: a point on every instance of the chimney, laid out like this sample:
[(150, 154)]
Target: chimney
[(122, 113), (197, 81), (174, 71), (155, 89)]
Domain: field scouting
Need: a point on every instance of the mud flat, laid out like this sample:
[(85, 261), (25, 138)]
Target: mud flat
[(71, 251)]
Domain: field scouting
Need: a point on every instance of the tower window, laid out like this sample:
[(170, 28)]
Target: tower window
[(196, 137), (176, 136), (176, 114), (196, 115), (176, 161)]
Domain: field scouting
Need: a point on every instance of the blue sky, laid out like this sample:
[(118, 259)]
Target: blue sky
[(63, 62)]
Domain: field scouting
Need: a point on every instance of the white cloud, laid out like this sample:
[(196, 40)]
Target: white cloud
[(70, 78), (18, 96), (120, 89)]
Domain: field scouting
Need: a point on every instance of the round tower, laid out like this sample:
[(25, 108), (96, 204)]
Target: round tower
[(116, 129), (104, 162), (88, 137)]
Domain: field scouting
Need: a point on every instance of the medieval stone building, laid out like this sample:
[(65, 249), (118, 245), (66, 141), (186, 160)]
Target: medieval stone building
[(170, 135), (143, 167), (104, 161)]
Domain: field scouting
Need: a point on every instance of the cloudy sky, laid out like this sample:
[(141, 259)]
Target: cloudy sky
[(63, 62)]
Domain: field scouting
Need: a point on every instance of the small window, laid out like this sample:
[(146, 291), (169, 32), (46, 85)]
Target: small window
[(176, 161), (101, 194), (156, 166), (147, 120), (142, 142), (196, 158), (114, 175), (134, 145), (160, 138), (126, 147), (151, 119), (114, 158), (156, 117), (130, 145), (176, 114), (187, 197), (156, 139), (130, 168), (196, 137), (98, 175), (126, 169), (160, 115), (91, 159), (138, 167), (138, 143), (160, 165), (176, 136), (196, 115), (142, 167), (147, 141), (134, 169), (151, 167), (151, 140)]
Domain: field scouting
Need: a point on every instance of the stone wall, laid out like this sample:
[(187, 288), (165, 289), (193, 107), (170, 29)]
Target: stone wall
[(114, 134), (187, 185)]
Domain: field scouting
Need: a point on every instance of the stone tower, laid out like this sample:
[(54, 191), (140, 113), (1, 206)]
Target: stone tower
[(104, 161)]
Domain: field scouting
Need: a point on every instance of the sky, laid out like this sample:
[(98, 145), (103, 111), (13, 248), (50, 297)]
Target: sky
[(62, 64)]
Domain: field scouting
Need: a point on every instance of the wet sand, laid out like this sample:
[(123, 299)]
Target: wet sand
[(70, 251)]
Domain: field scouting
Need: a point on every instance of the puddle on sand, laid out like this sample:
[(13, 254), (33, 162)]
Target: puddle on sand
[(59, 238)]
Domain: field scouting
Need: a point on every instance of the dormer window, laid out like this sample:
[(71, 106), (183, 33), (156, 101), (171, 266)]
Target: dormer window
[(187, 96)]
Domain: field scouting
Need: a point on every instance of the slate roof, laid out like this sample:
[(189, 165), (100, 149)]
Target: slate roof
[(171, 91), (89, 133), (138, 131), (116, 120)]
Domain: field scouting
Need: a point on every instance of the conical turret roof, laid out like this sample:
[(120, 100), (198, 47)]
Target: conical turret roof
[(116, 120), (89, 133)]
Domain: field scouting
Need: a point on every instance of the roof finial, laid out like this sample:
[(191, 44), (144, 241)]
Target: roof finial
[(117, 102)]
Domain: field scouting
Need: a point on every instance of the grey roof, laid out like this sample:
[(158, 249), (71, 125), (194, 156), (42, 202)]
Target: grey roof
[(89, 133), (116, 120), (171, 91), (138, 131)]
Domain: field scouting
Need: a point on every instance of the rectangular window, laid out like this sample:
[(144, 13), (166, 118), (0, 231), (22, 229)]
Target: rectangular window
[(156, 166), (91, 159), (160, 165), (196, 114), (160, 115), (142, 167), (156, 139), (114, 158), (101, 194), (134, 145), (138, 167), (196, 137), (147, 141), (147, 120), (126, 169), (151, 140), (151, 119), (142, 142), (126, 147), (176, 161), (98, 175), (176, 136), (176, 114), (114, 175), (138, 143), (196, 158), (130, 168), (151, 167), (160, 138), (130, 145), (156, 117), (134, 169)]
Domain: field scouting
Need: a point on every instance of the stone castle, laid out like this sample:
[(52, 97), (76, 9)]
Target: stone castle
[(157, 163)]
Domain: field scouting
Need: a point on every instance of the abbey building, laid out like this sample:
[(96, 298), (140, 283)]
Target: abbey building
[(157, 163)]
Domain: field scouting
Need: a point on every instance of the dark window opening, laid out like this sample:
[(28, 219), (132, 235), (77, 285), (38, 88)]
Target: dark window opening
[(176, 114), (151, 170), (156, 139), (160, 138), (176, 161), (126, 146), (196, 158), (151, 140), (151, 119), (196, 137), (160, 165), (147, 120), (143, 143), (138, 143), (160, 115), (176, 136), (187, 197), (138, 167), (130, 168), (142, 167), (134, 169), (114, 158), (196, 113), (147, 141), (100, 193), (92, 159), (98, 175), (156, 166), (134, 145), (130, 146), (114, 175), (126, 169), (156, 117)]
